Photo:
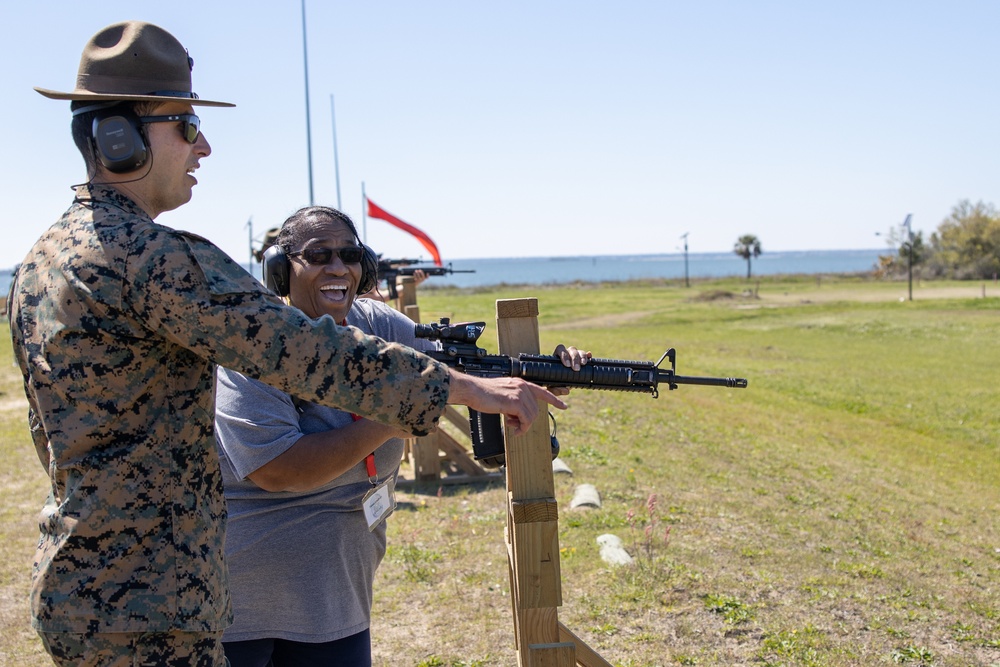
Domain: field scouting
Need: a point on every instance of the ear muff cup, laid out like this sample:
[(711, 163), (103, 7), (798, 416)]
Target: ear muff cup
[(369, 270), (118, 140), (274, 265)]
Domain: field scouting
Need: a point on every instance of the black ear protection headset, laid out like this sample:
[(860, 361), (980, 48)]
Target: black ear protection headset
[(117, 137), (275, 267)]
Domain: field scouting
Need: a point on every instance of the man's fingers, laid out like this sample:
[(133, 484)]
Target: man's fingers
[(515, 398)]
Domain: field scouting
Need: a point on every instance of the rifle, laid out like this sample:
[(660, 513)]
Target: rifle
[(389, 269), (460, 350)]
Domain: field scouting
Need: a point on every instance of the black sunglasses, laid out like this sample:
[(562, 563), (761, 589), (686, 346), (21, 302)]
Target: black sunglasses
[(351, 254), (190, 124)]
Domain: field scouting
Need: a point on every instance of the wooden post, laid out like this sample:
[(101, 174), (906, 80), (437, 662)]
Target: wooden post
[(406, 291), (533, 521), (423, 451), (532, 513)]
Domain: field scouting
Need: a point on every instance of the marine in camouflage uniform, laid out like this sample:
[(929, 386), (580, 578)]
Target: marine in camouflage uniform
[(117, 324)]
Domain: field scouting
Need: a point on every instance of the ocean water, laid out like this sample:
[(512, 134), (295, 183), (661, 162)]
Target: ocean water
[(600, 268)]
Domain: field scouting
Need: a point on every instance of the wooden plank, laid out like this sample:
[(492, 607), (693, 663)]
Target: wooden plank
[(532, 513), (555, 654), (458, 455), (529, 511), (449, 480), (538, 626), (426, 463), (460, 421), (413, 312), (585, 655), (513, 308), (529, 457), (536, 564), (406, 292)]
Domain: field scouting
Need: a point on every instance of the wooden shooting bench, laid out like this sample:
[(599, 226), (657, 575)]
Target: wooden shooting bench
[(532, 533)]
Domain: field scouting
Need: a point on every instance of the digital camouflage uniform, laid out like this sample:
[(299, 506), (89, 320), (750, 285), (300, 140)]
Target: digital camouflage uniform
[(117, 324)]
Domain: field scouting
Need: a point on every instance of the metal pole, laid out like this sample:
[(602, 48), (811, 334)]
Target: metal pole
[(250, 239), (909, 254), (909, 266), (336, 161), (364, 215), (305, 61), (687, 282)]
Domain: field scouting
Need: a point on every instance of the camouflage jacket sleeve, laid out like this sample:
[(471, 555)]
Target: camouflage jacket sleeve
[(188, 291)]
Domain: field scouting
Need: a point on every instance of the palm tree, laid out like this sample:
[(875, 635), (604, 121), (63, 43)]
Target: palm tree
[(748, 246)]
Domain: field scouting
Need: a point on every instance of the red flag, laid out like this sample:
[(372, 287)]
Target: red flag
[(376, 212)]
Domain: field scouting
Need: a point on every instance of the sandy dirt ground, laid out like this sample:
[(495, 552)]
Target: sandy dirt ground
[(893, 292)]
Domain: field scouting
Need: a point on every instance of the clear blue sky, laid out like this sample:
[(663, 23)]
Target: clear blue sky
[(547, 128)]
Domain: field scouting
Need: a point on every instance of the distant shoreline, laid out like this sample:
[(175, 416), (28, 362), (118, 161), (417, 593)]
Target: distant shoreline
[(765, 256), (487, 272)]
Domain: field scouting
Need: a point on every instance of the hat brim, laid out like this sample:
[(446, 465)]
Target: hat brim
[(84, 96)]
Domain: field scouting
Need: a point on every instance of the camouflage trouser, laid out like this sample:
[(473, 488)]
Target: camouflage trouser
[(135, 649)]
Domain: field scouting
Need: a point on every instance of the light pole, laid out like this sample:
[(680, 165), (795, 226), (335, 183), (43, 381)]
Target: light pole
[(909, 254), (305, 63), (249, 227), (687, 282), (909, 265), (336, 161)]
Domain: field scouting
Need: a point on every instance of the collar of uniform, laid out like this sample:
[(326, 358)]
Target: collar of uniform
[(89, 194)]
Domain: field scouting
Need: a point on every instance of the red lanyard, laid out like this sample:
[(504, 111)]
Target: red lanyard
[(369, 460)]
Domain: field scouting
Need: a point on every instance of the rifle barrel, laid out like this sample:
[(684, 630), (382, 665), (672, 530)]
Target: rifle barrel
[(733, 383), (434, 270)]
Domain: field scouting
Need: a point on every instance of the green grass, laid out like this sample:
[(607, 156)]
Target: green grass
[(842, 510)]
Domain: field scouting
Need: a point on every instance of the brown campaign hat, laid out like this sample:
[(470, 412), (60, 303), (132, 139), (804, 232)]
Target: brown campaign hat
[(134, 62)]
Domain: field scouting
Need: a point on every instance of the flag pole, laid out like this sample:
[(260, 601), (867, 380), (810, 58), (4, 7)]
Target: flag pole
[(305, 61), (336, 161), (249, 226), (364, 215)]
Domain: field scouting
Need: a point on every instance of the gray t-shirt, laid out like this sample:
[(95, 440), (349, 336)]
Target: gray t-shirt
[(301, 565)]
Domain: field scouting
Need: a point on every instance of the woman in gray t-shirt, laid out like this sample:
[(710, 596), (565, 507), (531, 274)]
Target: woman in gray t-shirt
[(301, 549), (308, 487)]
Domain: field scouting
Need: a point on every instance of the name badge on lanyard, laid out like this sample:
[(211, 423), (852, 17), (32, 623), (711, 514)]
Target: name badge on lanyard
[(380, 501)]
